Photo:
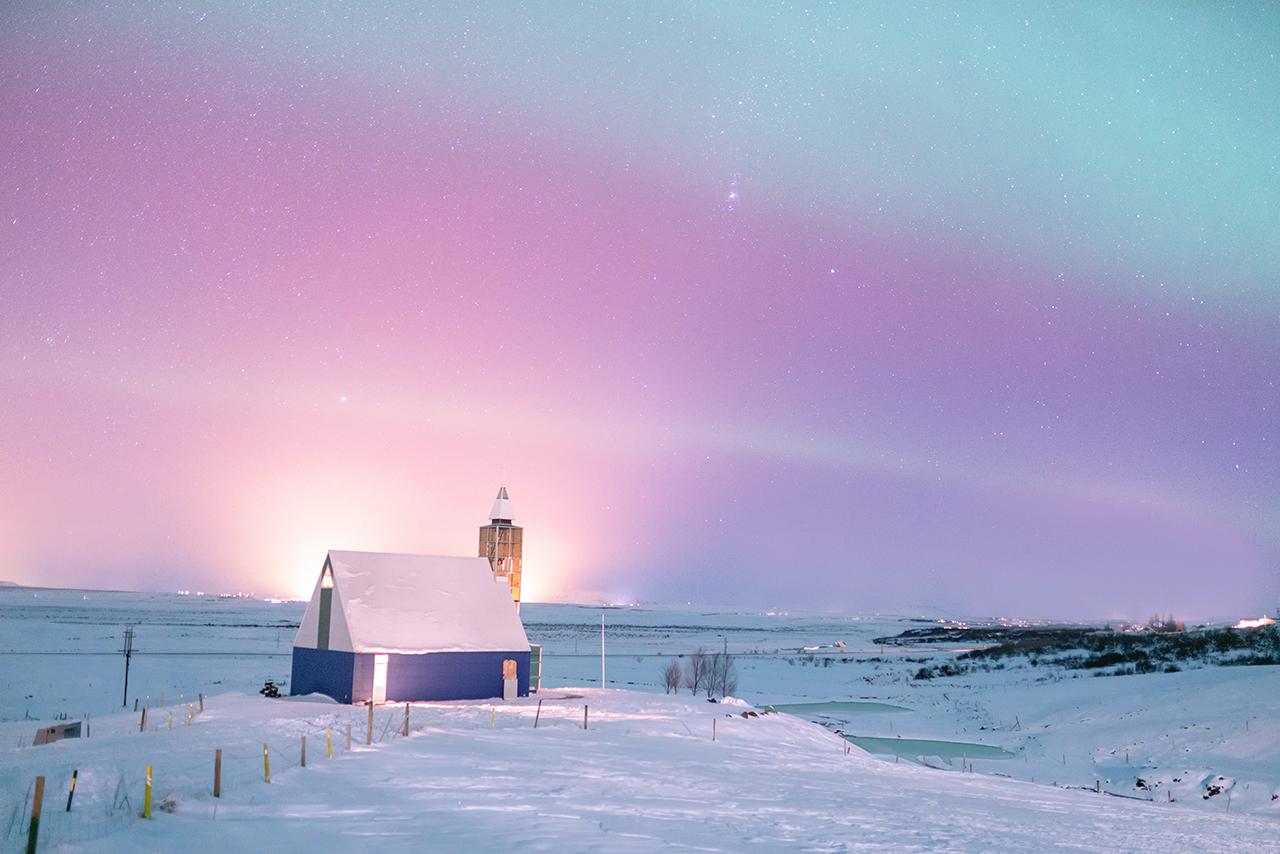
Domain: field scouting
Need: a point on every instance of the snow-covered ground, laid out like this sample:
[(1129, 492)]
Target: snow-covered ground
[(646, 774)]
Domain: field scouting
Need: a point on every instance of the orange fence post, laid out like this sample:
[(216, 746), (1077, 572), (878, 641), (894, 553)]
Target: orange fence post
[(33, 832)]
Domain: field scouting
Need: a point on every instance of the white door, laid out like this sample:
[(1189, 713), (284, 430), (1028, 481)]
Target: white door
[(380, 678)]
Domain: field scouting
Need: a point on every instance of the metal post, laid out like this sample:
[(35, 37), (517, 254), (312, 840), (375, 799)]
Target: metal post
[(128, 653)]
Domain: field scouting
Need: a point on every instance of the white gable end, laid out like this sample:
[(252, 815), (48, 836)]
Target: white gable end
[(309, 629)]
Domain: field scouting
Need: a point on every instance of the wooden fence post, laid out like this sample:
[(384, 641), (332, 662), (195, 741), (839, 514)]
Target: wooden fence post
[(266, 763), (202, 703), (328, 743), (142, 725), (304, 751), (713, 729), (72, 793), (217, 773), (406, 720), (33, 832), (368, 738), (146, 801), (584, 716), (493, 718), (537, 715), (135, 704)]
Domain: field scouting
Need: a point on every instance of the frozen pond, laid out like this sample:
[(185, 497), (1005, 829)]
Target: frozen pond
[(928, 747)]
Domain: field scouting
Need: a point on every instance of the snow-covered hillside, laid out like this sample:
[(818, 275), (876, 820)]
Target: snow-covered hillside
[(646, 769), (646, 775)]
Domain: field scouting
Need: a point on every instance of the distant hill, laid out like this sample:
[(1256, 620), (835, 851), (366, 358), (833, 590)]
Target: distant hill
[(4, 583)]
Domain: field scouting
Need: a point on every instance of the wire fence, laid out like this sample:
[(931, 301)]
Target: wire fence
[(184, 766)]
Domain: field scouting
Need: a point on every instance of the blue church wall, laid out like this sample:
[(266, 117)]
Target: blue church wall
[(324, 671), (440, 676)]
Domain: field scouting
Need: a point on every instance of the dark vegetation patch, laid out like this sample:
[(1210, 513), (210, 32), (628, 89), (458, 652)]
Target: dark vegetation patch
[(1112, 653)]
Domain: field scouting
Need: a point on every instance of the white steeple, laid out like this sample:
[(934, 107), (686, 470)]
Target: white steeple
[(501, 511)]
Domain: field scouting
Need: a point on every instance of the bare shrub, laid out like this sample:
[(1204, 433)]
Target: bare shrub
[(671, 675), (722, 676), (695, 670)]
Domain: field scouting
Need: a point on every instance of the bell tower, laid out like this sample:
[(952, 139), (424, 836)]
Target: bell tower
[(502, 542)]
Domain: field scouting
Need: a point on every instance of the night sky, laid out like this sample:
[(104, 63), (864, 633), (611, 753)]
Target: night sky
[(847, 306)]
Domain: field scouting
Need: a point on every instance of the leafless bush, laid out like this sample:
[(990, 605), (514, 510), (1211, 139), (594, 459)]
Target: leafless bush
[(695, 670), (671, 676), (722, 676)]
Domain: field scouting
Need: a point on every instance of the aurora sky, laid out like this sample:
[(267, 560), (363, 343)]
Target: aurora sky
[(839, 306)]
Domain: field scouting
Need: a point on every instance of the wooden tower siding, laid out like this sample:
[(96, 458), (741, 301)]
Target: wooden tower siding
[(503, 545)]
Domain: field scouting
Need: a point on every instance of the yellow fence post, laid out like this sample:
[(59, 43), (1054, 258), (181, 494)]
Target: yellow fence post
[(146, 801), (266, 763), (72, 793), (328, 743)]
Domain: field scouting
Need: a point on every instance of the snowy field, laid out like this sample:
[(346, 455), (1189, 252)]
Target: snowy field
[(646, 774)]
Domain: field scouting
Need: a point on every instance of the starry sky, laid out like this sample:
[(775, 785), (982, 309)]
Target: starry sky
[(850, 306)]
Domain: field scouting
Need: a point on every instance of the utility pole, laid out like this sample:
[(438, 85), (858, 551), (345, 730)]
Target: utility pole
[(128, 653)]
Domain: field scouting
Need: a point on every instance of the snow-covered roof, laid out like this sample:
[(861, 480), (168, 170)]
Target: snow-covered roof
[(502, 507), (413, 604)]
